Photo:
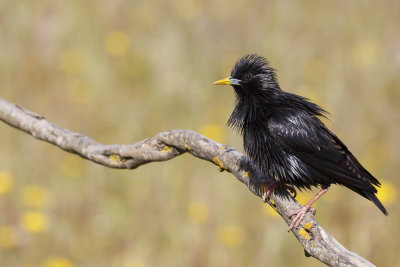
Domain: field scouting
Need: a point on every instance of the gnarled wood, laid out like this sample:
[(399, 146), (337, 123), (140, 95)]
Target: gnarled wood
[(167, 145)]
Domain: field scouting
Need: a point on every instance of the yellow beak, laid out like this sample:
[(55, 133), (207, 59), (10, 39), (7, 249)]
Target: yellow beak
[(228, 81), (225, 81)]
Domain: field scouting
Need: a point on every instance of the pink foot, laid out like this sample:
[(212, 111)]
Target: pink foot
[(300, 213)]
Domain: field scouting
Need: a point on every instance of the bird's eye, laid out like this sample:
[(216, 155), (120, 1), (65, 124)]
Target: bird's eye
[(248, 76)]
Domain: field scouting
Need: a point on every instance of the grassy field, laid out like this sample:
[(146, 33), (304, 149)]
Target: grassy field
[(121, 71)]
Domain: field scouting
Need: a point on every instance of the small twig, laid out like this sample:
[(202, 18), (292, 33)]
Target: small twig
[(167, 145)]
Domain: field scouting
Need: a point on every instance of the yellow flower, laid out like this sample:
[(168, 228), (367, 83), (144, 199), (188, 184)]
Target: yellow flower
[(117, 43), (6, 182), (58, 262), (231, 235), (34, 221), (387, 193), (213, 131), (8, 237), (198, 212), (35, 196), (72, 61)]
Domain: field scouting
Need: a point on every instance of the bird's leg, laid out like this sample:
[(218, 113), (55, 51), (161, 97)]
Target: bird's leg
[(302, 212), (273, 185), (269, 189)]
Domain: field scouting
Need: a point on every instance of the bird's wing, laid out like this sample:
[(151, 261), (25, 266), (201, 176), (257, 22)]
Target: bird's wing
[(306, 138)]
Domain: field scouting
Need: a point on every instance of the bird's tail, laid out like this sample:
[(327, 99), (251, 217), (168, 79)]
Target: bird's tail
[(375, 200)]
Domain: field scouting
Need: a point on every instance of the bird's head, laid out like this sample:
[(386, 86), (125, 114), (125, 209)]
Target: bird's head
[(257, 91), (251, 75)]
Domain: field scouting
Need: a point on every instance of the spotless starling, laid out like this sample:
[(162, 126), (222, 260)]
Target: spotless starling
[(284, 136)]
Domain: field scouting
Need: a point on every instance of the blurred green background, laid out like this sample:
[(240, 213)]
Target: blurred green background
[(121, 71)]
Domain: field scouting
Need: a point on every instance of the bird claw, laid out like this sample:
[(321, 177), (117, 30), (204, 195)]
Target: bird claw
[(273, 185), (300, 213), (268, 190)]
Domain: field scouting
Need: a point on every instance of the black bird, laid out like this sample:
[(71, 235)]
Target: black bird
[(284, 136)]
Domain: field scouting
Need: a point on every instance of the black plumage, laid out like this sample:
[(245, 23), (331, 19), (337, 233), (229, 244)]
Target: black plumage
[(284, 135)]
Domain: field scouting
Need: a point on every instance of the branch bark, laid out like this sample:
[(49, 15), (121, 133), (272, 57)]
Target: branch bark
[(167, 145)]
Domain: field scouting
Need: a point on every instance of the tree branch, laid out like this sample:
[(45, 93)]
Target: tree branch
[(167, 145)]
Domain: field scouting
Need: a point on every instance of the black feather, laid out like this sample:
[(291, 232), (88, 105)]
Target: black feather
[(284, 135)]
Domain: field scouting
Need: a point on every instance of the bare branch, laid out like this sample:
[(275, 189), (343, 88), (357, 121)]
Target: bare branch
[(167, 145)]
